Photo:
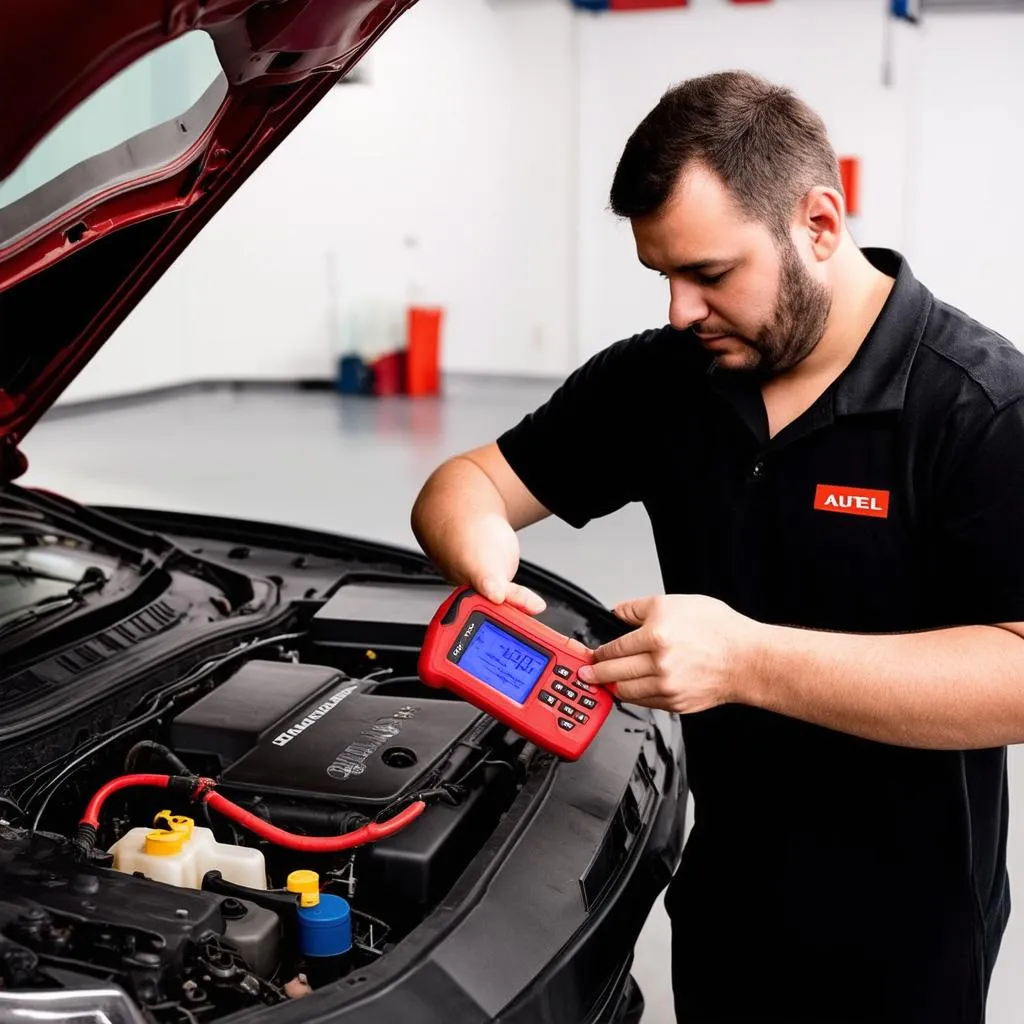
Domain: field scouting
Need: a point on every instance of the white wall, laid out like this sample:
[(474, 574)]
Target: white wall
[(967, 148), (461, 141), (489, 133)]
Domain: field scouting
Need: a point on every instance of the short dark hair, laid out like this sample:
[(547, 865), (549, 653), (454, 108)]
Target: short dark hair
[(764, 143)]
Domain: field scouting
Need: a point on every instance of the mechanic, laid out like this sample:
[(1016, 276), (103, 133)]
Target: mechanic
[(832, 461)]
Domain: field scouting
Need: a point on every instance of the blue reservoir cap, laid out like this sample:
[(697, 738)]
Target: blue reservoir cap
[(326, 929)]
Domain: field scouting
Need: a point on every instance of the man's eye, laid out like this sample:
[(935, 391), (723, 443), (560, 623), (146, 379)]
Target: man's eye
[(712, 279)]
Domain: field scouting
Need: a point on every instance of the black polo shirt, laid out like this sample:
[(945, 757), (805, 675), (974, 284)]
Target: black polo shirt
[(827, 877)]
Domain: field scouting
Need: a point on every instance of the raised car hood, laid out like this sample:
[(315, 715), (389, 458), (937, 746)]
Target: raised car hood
[(79, 250)]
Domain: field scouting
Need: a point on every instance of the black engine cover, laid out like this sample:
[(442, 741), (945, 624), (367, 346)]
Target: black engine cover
[(344, 743)]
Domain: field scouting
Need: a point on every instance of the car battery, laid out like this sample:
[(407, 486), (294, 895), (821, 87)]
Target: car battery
[(379, 615)]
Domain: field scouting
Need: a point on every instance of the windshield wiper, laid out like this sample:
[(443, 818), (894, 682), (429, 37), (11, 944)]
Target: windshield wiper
[(92, 579), (42, 510), (28, 572), (139, 548)]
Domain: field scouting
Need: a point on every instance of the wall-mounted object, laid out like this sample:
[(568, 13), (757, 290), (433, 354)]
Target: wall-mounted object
[(905, 10), (627, 5), (849, 172), (644, 5)]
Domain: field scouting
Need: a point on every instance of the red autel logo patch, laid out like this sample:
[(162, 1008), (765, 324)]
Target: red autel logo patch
[(854, 501)]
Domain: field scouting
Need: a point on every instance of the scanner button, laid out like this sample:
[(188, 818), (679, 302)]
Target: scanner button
[(548, 698), (564, 723), (588, 702), (581, 717), (567, 709), (561, 670), (569, 693), (560, 688)]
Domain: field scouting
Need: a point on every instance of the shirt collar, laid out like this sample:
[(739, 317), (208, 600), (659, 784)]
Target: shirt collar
[(876, 379)]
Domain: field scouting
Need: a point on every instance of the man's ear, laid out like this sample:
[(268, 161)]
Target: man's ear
[(822, 215)]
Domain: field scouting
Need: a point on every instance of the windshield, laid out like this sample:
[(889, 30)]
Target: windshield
[(117, 122)]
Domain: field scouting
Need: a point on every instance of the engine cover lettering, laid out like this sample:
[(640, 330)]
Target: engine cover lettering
[(314, 716)]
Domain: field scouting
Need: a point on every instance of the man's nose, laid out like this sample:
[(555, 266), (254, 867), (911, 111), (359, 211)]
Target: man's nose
[(686, 305)]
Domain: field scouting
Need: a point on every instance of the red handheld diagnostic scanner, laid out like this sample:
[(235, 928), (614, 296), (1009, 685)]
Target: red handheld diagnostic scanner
[(515, 668)]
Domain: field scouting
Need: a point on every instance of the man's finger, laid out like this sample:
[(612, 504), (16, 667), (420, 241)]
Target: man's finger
[(494, 588), (635, 611), (641, 690), (581, 651), (499, 590), (626, 646), (615, 671), (525, 599)]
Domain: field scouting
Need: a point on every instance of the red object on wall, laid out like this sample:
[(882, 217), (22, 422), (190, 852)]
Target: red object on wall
[(423, 346), (849, 171), (643, 5)]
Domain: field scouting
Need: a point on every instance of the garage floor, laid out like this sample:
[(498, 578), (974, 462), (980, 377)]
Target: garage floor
[(354, 465)]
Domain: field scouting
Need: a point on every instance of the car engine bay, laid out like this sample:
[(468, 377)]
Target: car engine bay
[(268, 821)]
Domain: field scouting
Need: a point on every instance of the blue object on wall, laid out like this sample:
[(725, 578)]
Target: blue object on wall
[(904, 9)]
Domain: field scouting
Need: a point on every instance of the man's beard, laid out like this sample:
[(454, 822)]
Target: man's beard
[(798, 323)]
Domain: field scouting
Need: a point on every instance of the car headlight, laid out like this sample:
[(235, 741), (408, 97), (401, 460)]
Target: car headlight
[(101, 1005)]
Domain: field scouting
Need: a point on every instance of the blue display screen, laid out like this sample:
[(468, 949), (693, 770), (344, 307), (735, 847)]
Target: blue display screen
[(503, 662)]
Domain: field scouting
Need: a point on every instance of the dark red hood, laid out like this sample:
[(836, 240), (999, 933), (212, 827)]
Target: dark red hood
[(68, 278)]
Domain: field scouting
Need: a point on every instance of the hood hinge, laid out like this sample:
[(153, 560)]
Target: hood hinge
[(12, 462)]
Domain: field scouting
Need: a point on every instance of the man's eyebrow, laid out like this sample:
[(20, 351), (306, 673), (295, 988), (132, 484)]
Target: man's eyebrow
[(693, 268)]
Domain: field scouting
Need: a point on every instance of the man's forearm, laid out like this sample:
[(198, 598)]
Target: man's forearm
[(464, 525), (947, 689), (458, 489)]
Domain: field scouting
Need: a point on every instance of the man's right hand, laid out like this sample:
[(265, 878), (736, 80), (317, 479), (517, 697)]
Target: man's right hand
[(487, 560), (466, 518)]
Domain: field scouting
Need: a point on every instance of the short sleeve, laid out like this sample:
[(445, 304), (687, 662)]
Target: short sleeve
[(581, 453), (979, 517)]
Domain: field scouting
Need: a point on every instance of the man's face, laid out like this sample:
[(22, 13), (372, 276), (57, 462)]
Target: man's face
[(748, 296)]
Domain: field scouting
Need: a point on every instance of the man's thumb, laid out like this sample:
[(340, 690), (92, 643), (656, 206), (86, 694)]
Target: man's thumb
[(493, 588)]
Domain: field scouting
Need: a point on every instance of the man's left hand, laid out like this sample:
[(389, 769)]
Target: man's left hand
[(688, 653)]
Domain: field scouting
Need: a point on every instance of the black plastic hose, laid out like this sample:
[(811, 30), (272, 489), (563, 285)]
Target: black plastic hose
[(169, 758)]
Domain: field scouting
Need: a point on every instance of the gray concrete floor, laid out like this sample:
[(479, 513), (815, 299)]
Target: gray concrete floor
[(354, 465)]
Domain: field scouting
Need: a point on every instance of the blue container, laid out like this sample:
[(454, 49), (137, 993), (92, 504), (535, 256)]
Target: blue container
[(354, 376), (326, 929)]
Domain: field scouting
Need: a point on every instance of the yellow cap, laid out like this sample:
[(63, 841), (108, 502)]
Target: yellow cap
[(164, 843), (307, 884), (175, 823)]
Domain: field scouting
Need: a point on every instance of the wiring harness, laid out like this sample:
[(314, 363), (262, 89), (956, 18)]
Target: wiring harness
[(200, 790)]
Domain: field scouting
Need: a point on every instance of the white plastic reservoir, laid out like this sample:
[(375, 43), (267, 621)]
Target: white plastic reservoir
[(180, 854)]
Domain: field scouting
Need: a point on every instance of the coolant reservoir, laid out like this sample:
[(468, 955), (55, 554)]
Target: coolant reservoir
[(180, 854)]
